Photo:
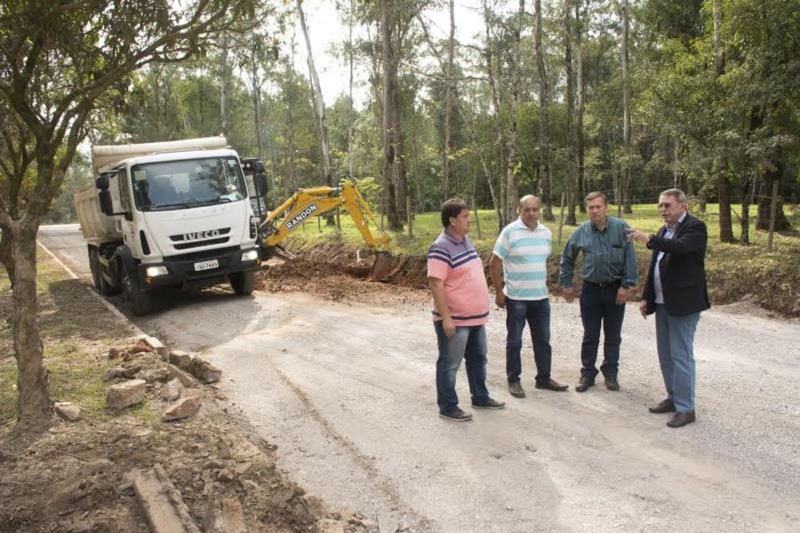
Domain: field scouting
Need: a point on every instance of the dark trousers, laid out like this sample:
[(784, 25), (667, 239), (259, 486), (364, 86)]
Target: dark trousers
[(537, 315), (599, 306)]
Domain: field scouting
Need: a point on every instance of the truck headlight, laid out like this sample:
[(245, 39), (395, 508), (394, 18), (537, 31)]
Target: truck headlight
[(152, 272), (249, 255)]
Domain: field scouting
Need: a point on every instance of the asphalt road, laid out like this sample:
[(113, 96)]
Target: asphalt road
[(347, 393)]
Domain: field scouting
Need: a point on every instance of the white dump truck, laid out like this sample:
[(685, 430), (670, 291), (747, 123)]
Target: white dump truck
[(170, 214)]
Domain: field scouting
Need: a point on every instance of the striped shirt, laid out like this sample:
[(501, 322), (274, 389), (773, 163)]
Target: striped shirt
[(457, 263), (524, 252)]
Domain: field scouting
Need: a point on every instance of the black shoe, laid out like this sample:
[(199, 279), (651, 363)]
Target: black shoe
[(456, 415), (612, 384), (584, 384), (551, 384), (515, 389), (666, 406), (489, 404), (681, 419)]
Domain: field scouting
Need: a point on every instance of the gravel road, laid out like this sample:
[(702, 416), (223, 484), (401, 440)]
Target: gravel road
[(346, 392)]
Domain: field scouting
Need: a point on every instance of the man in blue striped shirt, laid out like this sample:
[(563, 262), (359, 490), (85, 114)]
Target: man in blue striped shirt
[(609, 272), (520, 260)]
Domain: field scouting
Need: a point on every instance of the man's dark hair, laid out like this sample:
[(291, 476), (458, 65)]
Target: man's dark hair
[(452, 208)]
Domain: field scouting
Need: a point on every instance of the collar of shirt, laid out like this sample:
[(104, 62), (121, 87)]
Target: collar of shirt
[(595, 228), (673, 228), (453, 239), (522, 225)]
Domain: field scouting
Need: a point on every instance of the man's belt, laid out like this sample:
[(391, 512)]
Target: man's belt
[(603, 284)]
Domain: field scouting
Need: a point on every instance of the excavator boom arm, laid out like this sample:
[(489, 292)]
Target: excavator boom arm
[(317, 201)]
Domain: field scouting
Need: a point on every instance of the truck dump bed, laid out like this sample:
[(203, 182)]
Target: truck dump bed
[(96, 227), (105, 155)]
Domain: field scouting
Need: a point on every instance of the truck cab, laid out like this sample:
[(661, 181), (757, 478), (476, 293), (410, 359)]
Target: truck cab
[(179, 217)]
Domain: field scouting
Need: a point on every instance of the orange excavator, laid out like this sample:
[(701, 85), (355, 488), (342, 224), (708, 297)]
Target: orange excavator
[(278, 223)]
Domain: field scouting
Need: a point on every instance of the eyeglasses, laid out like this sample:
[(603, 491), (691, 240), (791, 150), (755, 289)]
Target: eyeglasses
[(664, 205)]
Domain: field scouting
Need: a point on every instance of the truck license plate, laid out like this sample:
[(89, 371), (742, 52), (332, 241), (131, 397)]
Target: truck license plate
[(206, 265)]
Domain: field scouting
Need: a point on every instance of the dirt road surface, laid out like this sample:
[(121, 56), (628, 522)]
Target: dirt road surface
[(346, 391)]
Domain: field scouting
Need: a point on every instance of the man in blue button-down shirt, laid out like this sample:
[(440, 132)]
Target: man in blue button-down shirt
[(609, 272)]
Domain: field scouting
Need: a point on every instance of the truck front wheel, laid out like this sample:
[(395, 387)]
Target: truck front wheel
[(141, 299), (243, 283)]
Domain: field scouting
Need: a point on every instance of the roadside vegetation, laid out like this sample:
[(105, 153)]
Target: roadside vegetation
[(73, 477), (735, 272)]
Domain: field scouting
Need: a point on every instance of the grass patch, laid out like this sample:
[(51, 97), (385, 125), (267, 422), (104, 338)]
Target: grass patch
[(76, 333)]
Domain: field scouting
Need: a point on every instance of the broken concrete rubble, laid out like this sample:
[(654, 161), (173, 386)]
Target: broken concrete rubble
[(126, 394)]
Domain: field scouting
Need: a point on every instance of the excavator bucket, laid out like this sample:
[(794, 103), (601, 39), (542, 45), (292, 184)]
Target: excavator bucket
[(382, 266)]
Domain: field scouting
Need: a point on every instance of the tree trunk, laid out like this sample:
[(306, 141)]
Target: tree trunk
[(319, 109), (254, 78), (626, 115), (503, 213), (34, 406), (581, 105), (765, 199), (448, 105), (392, 154), (744, 221), (725, 219), (721, 166), (544, 157), (676, 165), (512, 194), (569, 181), (350, 92), (223, 85)]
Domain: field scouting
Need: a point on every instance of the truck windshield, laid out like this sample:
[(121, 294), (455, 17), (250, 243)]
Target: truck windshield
[(185, 184)]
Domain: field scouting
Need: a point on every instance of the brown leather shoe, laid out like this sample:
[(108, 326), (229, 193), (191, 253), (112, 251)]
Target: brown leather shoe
[(515, 389), (666, 406), (612, 384), (681, 419), (551, 384)]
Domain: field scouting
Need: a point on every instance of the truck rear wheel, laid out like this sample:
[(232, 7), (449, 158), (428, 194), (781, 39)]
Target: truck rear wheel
[(243, 283), (141, 300)]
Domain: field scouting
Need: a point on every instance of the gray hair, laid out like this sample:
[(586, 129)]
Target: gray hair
[(529, 197), (678, 194)]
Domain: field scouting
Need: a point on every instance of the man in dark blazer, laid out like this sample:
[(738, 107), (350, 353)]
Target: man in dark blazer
[(676, 292)]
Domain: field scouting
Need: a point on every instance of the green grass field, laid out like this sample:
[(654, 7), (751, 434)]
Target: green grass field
[(483, 232)]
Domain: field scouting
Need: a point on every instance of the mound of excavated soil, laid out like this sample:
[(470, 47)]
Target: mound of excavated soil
[(340, 273)]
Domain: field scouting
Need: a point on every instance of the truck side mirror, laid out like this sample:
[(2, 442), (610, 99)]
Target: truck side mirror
[(102, 182), (260, 181), (104, 197)]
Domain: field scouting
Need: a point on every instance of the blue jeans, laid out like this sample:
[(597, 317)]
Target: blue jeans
[(599, 307), (468, 343), (537, 314), (675, 341)]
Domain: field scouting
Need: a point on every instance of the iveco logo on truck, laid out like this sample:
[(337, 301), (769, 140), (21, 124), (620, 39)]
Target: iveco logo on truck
[(302, 215), (197, 235)]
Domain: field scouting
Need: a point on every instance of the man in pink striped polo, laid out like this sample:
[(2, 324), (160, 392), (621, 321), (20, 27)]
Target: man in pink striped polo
[(460, 312)]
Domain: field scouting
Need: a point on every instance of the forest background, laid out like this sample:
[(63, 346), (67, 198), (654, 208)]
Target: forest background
[(556, 98)]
